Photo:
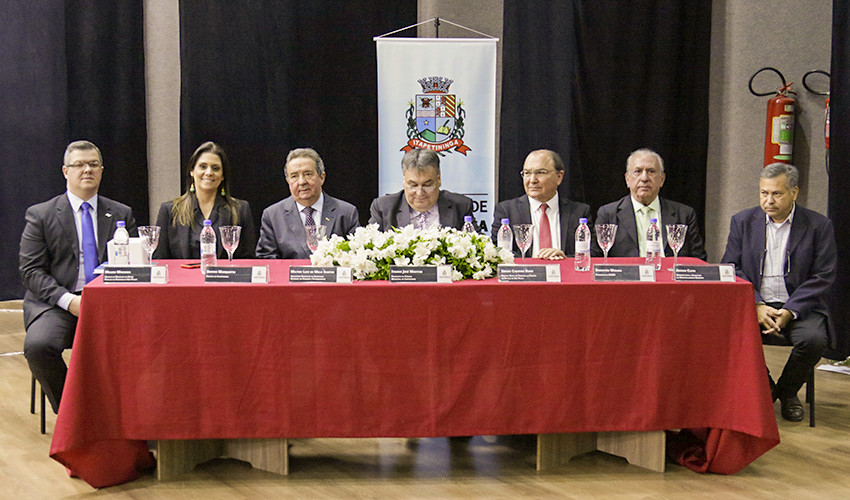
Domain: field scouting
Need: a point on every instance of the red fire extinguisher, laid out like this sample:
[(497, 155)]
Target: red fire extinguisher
[(826, 112), (779, 127)]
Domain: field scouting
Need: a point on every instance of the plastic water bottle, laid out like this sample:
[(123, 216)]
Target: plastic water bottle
[(582, 259), (505, 237), (468, 226), (653, 244), (207, 247), (121, 245)]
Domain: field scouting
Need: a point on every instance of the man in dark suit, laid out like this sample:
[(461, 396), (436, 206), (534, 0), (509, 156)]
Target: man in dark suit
[(421, 202), (632, 213), (789, 255), (60, 247), (282, 234), (542, 173)]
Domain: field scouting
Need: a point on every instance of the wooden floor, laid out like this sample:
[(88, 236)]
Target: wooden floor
[(809, 463)]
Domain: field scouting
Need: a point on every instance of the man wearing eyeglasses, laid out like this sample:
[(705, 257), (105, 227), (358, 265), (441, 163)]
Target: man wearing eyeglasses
[(632, 213), (421, 202), (282, 233), (788, 253), (64, 240), (554, 217)]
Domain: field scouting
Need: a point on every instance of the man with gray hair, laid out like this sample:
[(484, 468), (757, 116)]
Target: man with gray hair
[(282, 233), (421, 202), (788, 253), (632, 213), (63, 242)]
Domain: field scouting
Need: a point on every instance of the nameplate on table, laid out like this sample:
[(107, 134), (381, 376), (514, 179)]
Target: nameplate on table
[(221, 274), (319, 274), (529, 273), (623, 272), (135, 274), (711, 272), (420, 274)]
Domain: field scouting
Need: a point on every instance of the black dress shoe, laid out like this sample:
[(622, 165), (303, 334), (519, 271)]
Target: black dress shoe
[(792, 409)]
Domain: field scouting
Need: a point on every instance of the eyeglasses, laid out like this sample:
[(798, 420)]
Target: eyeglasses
[(541, 172), (786, 265), (94, 164), (425, 189)]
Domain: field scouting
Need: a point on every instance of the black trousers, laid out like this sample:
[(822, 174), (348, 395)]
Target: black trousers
[(47, 337), (809, 339)]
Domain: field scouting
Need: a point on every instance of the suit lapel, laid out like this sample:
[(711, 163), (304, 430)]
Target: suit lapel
[(668, 216), (328, 215), (403, 215), (105, 225), (627, 223), (758, 228), (296, 227), (447, 212), (564, 217), (799, 228), (65, 215)]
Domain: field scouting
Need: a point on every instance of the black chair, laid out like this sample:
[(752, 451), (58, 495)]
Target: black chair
[(32, 404)]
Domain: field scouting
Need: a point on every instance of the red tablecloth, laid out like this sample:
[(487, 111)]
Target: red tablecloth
[(190, 360)]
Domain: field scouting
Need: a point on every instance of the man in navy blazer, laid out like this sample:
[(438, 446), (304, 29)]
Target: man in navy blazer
[(542, 173), (421, 202), (53, 266), (282, 233), (644, 178), (788, 253)]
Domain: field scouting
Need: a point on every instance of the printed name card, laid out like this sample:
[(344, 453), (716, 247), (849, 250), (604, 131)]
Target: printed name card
[(135, 274), (254, 274), (529, 273), (319, 274), (712, 272), (420, 274), (623, 272)]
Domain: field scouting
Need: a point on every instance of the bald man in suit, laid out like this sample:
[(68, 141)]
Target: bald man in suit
[(63, 241), (542, 173)]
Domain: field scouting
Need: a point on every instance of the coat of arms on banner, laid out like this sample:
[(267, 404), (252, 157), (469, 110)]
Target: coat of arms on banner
[(435, 118)]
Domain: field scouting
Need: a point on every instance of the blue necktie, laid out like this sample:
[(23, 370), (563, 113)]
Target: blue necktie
[(89, 245)]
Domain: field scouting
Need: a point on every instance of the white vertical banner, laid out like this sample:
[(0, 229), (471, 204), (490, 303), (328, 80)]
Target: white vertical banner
[(439, 94)]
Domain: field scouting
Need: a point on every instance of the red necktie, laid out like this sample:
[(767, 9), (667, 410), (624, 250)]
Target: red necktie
[(545, 231)]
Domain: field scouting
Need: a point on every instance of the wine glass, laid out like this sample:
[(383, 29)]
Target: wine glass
[(230, 240), (605, 234), (523, 234), (315, 234), (676, 238), (150, 239)]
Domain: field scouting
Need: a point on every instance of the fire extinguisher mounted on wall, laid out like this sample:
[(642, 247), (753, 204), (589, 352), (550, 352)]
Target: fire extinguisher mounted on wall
[(779, 127), (826, 104)]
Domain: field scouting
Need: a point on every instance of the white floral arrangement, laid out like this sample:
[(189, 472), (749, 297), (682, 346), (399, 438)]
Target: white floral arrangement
[(370, 252)]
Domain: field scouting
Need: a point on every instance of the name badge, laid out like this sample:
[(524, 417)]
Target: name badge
[(157, 275), (253, 274), (623, 272), (420, 274), (508, 273), (711, 272), (319, 274)]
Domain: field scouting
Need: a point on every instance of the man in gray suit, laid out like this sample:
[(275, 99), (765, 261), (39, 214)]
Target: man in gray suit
[(644, 178), (421, 202), (282, 234), (542, 173), (60, 247)]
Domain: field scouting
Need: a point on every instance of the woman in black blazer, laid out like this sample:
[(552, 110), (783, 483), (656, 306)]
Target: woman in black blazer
[(207, 196)]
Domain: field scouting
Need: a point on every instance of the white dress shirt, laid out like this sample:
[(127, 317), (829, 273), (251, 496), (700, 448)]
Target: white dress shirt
[(774, 259), (76, 206), (317, 207)]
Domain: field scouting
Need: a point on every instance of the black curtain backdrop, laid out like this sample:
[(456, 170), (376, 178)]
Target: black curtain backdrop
[(839, 171), (66, 74), (263, 77), (624, 75)]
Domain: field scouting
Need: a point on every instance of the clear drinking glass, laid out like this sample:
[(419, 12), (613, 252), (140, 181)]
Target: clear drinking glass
[(230, 240), (676, 238), (150, 239), (523, 233), (605, 234), (315, 234)]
